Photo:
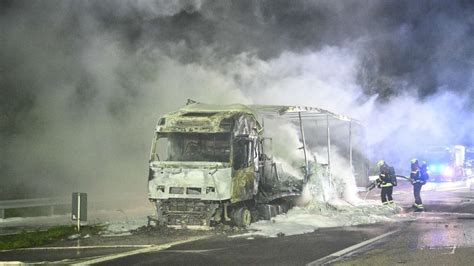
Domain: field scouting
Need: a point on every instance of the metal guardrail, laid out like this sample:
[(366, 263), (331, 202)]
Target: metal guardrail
[(58, 201), (26, 203)]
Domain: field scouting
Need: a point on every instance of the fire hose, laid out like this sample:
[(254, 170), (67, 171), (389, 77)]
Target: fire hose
[(375, 183)]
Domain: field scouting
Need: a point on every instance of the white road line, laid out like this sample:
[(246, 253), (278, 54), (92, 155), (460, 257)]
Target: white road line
[(454, 250), (139, 251), (345, 251), (192, 251)]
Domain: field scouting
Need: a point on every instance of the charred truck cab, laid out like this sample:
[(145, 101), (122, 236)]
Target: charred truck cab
[(211, 163), (206, 166)]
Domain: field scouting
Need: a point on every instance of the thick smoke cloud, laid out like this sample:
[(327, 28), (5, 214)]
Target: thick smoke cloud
[(82, 83)]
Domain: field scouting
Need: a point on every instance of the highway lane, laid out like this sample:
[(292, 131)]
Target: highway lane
[(449, 214), (440, 229), (286, 250), (434, 239)]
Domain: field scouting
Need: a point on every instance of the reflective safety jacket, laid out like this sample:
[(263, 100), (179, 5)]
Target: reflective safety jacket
[(415, 174), (385, 177)]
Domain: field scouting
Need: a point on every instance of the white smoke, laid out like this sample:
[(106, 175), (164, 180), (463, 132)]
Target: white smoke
[(97, 75), (325, 184), (148, 10)]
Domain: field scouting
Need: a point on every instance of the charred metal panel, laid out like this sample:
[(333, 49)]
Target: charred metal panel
[(204, 118), (245, 125), (243, 184), (205, 181)]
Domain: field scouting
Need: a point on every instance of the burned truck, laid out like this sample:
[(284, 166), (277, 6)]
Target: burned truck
[(209, 164)]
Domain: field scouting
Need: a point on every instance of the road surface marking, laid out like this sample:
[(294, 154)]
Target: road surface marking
[(139, 251), (192, 250), (454, 250), (345, 251)]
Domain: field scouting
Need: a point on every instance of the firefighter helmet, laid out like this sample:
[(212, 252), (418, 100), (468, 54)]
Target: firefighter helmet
[(414, 161), (380, 163)]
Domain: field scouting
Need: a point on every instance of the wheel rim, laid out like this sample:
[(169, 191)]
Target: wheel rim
[(246, 217)]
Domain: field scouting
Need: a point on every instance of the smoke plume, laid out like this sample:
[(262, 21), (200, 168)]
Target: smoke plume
[(82, 83)]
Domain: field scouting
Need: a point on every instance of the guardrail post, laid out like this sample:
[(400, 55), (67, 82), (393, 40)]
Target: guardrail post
[(79, 208), (2, 214)]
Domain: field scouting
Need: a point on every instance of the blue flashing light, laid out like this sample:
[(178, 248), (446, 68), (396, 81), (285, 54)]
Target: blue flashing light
[(437, 168)]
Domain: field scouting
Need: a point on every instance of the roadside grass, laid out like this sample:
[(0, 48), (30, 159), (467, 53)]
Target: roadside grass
[(36, 238)]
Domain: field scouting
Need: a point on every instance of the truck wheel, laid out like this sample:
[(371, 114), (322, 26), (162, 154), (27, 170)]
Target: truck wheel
[(242, 217)]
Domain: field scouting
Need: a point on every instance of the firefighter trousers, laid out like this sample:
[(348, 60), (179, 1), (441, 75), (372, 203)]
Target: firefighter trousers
[(386, 195), (416, 193)]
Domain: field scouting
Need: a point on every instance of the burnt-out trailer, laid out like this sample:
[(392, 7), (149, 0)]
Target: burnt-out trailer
[(209, 164)]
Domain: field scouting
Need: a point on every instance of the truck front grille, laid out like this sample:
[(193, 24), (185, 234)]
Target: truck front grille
[(188, 211)]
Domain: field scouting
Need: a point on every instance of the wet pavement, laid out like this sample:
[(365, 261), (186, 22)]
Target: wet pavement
[(285, 250), (77, 250), (443, 235), (434, 239), (60, 255)]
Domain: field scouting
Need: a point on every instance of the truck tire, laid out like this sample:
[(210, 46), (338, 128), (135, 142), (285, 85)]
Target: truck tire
[(242, 217)]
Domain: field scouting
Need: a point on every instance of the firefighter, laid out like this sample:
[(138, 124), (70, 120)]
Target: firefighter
[(386, 182), (417, 177)]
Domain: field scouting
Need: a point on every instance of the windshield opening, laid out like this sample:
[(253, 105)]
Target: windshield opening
[(193, 147)]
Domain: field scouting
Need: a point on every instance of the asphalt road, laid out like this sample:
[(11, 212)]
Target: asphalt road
[(441, 236), (290, 250), (432, 240)]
